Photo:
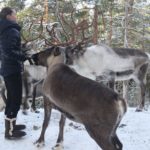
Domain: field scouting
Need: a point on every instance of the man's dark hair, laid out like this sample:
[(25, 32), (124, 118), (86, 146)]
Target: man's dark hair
[(5, 11)]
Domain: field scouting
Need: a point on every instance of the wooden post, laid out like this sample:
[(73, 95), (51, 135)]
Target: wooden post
[(95, 25), (46, 11)]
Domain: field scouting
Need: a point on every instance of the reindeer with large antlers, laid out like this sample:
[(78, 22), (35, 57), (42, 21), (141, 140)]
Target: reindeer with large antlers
[(99, 110), (96, 61), (99, 60)]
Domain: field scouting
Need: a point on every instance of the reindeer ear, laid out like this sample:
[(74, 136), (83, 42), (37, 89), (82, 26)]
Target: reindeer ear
[(57, 51)]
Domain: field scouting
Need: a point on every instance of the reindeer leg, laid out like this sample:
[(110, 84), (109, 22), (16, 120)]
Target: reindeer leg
[(34, 96), (47, 114), (25, 105), (33, 108), (59, 144), (142, 79), (142, 101), (101, 135), (3, 94), (117, 142), (111, 81), (111, 84)]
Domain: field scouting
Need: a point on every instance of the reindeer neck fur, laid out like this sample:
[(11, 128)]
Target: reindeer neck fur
[(92, 61), (53, 61)]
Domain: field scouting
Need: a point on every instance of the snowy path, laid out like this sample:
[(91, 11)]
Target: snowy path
[(135, 135)]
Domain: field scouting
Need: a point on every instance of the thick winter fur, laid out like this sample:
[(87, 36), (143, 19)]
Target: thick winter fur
[(114, 64), (32, 82), (83, 100)]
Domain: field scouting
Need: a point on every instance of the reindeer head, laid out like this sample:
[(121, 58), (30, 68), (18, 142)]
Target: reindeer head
[(73, 52), (49, 56)]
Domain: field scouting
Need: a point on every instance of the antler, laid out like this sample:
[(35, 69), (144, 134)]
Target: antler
[(55, 39), (73, 36), (27, 40)]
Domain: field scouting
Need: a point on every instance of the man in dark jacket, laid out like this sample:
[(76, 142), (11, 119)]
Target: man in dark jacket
[(12, 60)]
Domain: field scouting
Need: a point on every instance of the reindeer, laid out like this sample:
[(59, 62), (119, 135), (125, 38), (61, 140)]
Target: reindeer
[(131, 64), (100, 61), (115, 64), (85, 66), (99, 110), (32, 79)]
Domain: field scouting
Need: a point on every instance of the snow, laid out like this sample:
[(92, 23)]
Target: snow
[(134, 132)]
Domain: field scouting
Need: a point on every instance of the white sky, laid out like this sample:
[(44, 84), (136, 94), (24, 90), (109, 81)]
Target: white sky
[(28, 2)]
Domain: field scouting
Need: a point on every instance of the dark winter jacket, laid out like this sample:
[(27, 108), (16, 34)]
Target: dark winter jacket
[(10, 48)]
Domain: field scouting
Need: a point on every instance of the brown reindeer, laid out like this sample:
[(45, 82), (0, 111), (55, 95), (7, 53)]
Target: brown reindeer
[(81, 99)]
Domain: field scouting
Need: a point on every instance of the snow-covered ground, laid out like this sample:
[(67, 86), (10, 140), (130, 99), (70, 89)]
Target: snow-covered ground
[(134, 133)]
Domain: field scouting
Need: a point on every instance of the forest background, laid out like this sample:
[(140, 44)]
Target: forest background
[(117, 23)]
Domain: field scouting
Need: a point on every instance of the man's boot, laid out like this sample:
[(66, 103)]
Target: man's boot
[(10, 132)]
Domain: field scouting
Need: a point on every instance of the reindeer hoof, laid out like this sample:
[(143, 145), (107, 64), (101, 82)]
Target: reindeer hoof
[(122, 125), (25, 112), (35, 111), (139, 110), (39, 144), (58, 146)]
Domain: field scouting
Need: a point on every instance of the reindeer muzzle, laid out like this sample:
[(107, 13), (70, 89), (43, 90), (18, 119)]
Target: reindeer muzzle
[(34, 59)]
